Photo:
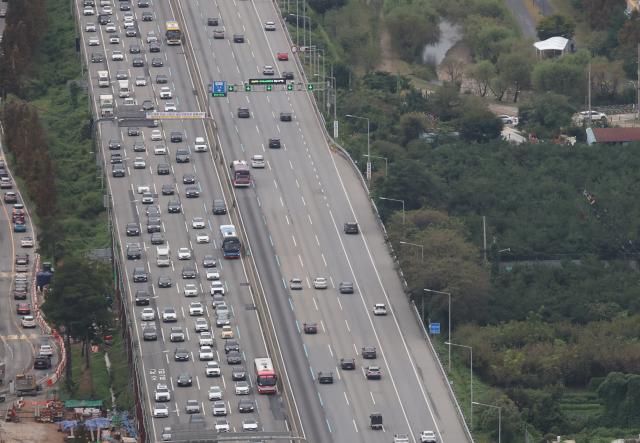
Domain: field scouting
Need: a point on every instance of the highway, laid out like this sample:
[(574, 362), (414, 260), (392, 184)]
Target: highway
[(293, 217)]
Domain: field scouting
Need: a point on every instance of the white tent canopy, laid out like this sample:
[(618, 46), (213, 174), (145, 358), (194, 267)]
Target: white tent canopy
[(552, 44)]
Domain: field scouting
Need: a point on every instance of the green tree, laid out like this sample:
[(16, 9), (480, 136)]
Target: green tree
[(411, 27), (353, 27), (412, 124), (479, 126), (487, 37), (322, 6), (445, 102), (546, 114), (555, 26), (603, 13), (562, 78), (515, 70), (482, 73)]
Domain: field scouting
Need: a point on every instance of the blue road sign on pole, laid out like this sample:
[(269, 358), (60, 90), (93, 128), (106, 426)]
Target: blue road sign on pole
[(434, 328), (219, 89)]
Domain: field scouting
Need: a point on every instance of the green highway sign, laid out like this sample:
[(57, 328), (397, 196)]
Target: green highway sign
[(267, 81)]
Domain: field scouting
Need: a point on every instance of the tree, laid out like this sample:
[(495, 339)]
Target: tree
[(445, 102), (602, 13), (515, 70), (412, 26), (555, 26), (487, 37), (454, 69), (412, 124), (629, 33), (607, 77), (322, 6), (561, 77), (482, 73), (479, 126), (546, 113)]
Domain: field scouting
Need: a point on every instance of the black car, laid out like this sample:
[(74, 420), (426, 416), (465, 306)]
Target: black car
[(184, 380), (182, 156), (134, 49), (192, 192), (157, 238), (115, 144), (42, 362), (115, 158), (213, 21), (181, 354), (147, 16), (132, 229), (117, 170), (131, 33), (162, 79), (244, 113), (143, 3), (219, 208), (133, 132), (138, 147), (246, 405), (311, 328), (122, 75), (373, 373), (147, 105), (234, 358), (164, 281), (173, 207), (149, 333), (286, 117), (346, 287), (138, 62), (104, 19), (351, 228), (209, 261), (163, 169), (125, 6), (274, 143), (154, 224), (325, 378), (154, 47), (97, 57), (369, 352), (142, 298), (239, 373), (288, 75), (133, 251), (139, 275), (189, 178), (176, 136), (188, 272), (238, 38), (168, 189), (231, 345), (348, 364), (157, 62)]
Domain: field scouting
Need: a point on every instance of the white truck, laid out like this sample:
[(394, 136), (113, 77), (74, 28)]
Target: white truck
[(163, 257), (123, 88), (106, 105), (103, 79)]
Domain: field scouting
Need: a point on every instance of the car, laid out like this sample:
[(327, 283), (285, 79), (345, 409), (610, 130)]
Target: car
[(169, 315), (173, 207), (379, 309), (200, 145), (141, 81), (26, 242), (214, 393), (269, 26), (242, 388), (287, 75), (213, 21), (310, 328), (348, 364), (286, 117), (373, 373), (217, 300), (184, 254), (139, 163), (149, 332), (192, 407), (234, 358), (147, 16), (400, 438), (177, 334), (219, 408), (134, 251), (182, 154), (188, 178), (142, 298), (139, 275), (219, 207), (160, 410), (428, 437), (222, 425), (138, 62), (46, 350), (222, 309), (151, 37), (218, 34), (209, 261), (244, 112), (162, 392), (583, 116), (94, 41), (282, 56), (10, 197), (320, 283), (212, 369), (42, 362), (162, 79), (130, 32), (108, 10), (295, 284), (159, 149), (351, 228), (227, 332), (133, 131), (257, 161), (148, 314), (114, 144), (163, 169), (238, 38), (346, 287), (168, 189), (176, 137), (148, 105), (250, 424), (114, 39), (325, 377), (88, 11), (246, 405), (143, 3), (134, 49), (147, 199), (154, 47), (192, 192), (165, 92), (157, 238), (201, 325), (181, 354), (274, 143), (205, 353), (216, 287), (132, 230), (238, 373), (28, 321), (369, 352), (157, 62), (154, 224), (125, 6), (205, 339), (196, 308), (117, 55), (268, 70), (90, 27), (202, 238), (104, 19), (97, 57), (507, 119), (184, 380)]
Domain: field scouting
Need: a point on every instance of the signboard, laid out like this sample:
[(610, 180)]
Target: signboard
[(434, 328), (219, 89), (268, 81), (175, 115), (335, 129), (368, 170)]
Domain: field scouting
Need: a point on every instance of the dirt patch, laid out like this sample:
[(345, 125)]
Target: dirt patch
[(502, 108), (30, 432)]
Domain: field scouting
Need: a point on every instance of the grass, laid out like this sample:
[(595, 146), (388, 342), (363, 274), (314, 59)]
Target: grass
[(87, 383)]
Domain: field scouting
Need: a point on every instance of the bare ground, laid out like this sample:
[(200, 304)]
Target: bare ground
[(30, 432)]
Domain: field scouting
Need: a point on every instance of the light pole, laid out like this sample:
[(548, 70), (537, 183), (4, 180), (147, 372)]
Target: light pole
[(386, 162), (448, 338), (368, 145), (393, 200), (499, 417), (415, 244), (471, 377)]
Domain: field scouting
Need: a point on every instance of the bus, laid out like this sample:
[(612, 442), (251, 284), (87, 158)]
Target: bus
[(266, 378), (173, 33), (240, 174), (230, 243)]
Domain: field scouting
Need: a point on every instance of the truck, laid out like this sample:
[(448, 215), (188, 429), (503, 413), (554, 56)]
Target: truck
[(163, 258), (106, 105), (376, 421), (26, 384), (123, 88), (103, 79)]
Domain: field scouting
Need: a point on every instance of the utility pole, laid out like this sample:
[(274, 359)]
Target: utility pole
[(484, 236), (589, 93), (638, 86)]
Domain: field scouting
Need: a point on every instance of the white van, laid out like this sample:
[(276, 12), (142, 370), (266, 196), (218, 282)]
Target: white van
[(123, 86), (163, 257), (103, 79)]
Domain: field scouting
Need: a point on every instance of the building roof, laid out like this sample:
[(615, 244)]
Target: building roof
[(613, 135), (552, 44)]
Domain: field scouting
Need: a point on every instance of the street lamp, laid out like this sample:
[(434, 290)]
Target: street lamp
[(394, 200), (448, 338), (327, 102), (386, 162), (471, 378), (368, 144), (415, 244), (499, 417)]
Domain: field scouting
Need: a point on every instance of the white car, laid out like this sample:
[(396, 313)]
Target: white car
[(205, 339), (428, 437), (148, 314), (198, 223), (147, 198), (159, 149), (90, 27), (249, 424), (143, 189), (215, 393), (151, 37), (269, 26), (222, 425), (212, 274), (169, 315), (242, 388), (200, 145), (257, 161), (156, 135), (320, 283), (46, 350), (94, 41), (160, 410), (227, 332), (202, 238), (170, 107), (117, 56), (128, 23), (110, 28), (206, 353), (267, 70), (380, 309), (219, 408), (139, 163), (212, 369), (508, 120), (165, 92), (114, 40), (217, 287), (184, 254), (595, 116), (107, 10), (88, 11), (196, 308), (162, 392), (141, 81), (201, 325), (28, 321), (26, 242), (190, 290)]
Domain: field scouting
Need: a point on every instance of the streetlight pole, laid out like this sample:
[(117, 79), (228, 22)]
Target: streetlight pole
[(449, 338), (386, 163), (471, 377), (368, 145), (499, 417), (392, 199), (415, 244)]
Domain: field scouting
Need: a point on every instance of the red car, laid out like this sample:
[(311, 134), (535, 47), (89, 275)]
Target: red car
[(283, 56), (23, 309)]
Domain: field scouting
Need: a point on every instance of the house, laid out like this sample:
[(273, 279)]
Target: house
[(554, 46), (613, 136)]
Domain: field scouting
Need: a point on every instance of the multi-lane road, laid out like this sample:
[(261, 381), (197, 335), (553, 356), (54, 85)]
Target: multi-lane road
[(292, 217)]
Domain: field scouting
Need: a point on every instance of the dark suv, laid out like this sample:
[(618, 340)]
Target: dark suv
[(133, 230), (274, 143), (351, 228), (219, 208)]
